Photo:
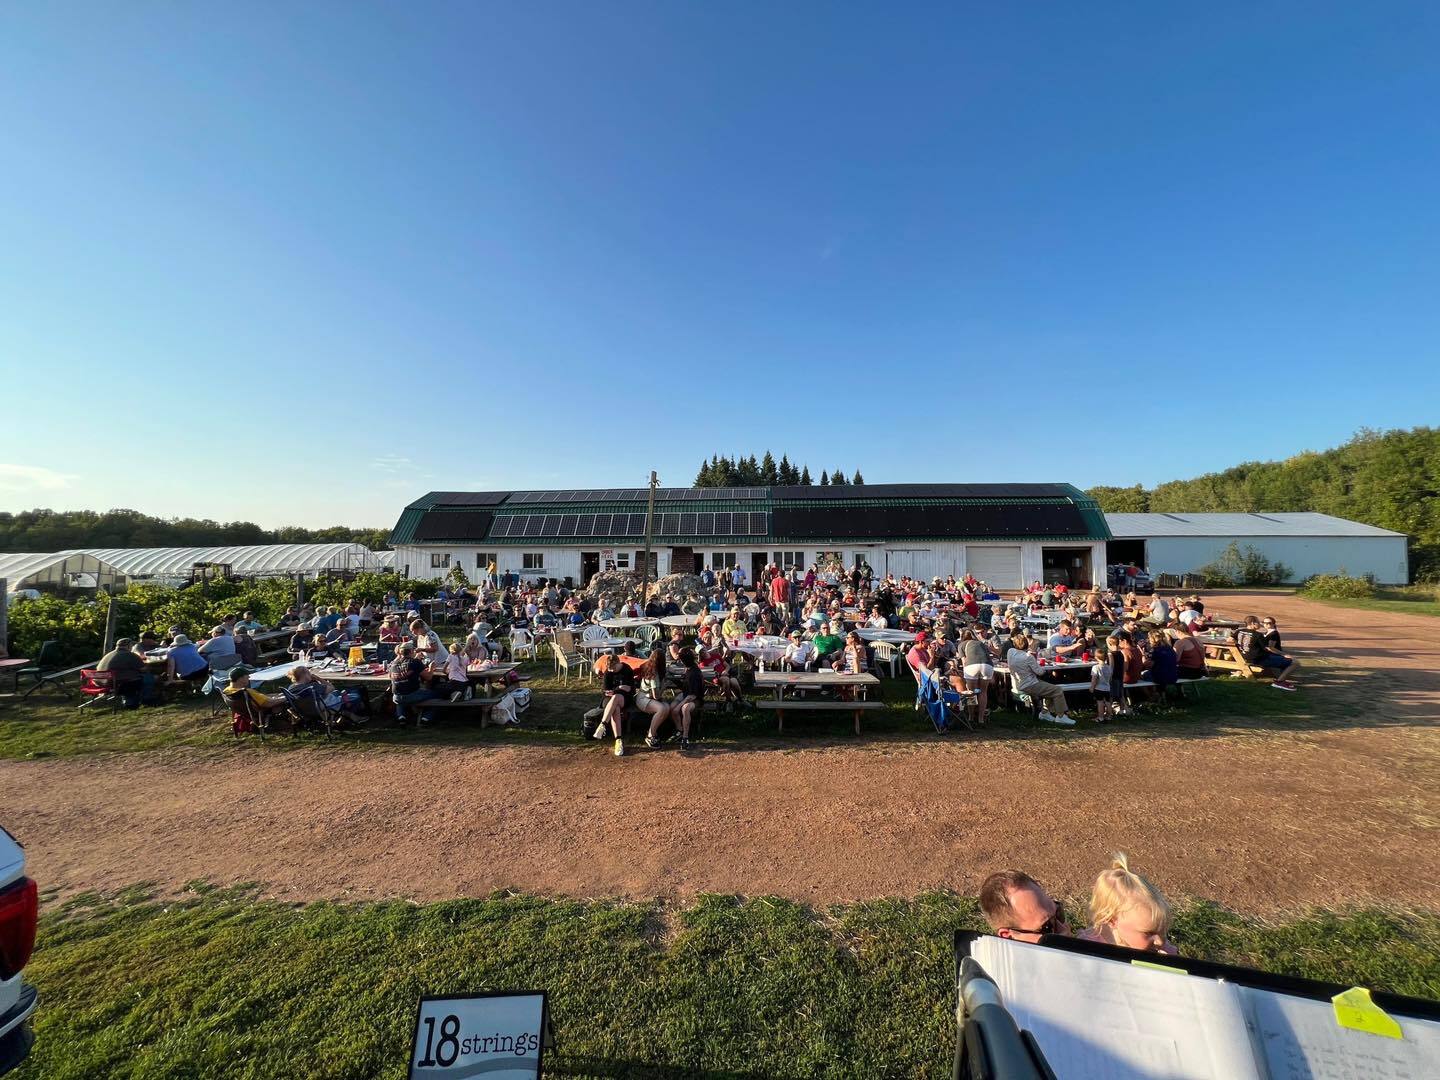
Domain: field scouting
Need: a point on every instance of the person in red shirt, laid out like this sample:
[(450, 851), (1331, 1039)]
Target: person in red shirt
[(780, 593)]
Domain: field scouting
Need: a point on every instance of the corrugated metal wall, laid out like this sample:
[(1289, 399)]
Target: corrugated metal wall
[(1383, 556)]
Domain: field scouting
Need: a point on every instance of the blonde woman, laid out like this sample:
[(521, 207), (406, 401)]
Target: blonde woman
[(1128, 911)]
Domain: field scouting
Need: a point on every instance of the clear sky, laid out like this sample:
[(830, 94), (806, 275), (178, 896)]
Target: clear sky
[(301, 262)]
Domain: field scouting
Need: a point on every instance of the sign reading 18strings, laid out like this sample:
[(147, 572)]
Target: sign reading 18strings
[(498, 1036)]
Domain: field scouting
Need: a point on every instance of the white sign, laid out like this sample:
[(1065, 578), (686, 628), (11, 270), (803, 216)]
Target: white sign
[(497, 1036)]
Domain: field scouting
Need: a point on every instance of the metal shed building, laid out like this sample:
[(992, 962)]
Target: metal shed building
[(1308, 543), (1005, 534)]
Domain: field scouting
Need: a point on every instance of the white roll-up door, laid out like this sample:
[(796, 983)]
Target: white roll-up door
[(998, 566)]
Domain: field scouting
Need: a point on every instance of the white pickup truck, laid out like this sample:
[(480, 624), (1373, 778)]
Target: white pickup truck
[(19, 911)]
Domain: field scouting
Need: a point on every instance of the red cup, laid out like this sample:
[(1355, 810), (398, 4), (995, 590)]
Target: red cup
[(1085, 655)]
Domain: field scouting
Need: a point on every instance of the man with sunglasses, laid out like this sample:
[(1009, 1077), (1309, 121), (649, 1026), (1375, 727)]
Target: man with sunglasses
[(1016, 906)]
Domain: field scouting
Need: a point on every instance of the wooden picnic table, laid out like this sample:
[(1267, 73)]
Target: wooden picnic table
[(348, 677), (780, 681), (1224, 654), (270, 635)]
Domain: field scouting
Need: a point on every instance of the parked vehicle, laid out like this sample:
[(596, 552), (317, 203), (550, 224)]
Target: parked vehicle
[(19, 913), (1122, 579)]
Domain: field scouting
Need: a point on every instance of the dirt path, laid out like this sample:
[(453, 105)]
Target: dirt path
[(1257, 818)]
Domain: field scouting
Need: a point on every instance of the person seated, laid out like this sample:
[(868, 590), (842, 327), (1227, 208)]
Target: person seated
[(828, 644), (219, 650), (305, 684), (289, 619), (240, 687), (1271, 632), (1163, 669), (1251, 640), (618, 684), (877, 620), (326, 619), (245, 646), (318, 649), (454, 670), (799, 653), (1189, 653), (149, 642), (131, 681), (1017, 906), (300, 642), (366, 615), (942, 648), (1128, 911), (1063, 643), (428, 646), (1159, 609), (477, 645), (920, 658), (712, 657), (734, 626), (183, 661), (339, 635), (1029, 679), (407, 683)]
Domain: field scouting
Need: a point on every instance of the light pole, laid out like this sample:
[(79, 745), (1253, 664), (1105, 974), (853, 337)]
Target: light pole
[(649, 522)]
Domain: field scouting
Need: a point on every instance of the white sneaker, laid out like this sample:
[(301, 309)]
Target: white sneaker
[(602, 731), (1065, 721), (619, 747)]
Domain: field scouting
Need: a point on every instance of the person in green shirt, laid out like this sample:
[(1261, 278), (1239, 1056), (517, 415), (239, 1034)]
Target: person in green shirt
[(827, 645)]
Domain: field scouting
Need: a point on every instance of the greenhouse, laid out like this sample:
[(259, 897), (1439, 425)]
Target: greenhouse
[(76, 569), (261, 560)]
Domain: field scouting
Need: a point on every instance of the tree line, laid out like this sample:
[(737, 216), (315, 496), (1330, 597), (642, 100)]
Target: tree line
[(1389, 479), (61, 530), (766, 472)]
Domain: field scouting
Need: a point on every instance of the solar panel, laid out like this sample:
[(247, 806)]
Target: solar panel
[(882, 523), (757, 524), (722, 524), (550, 525), (586, 525), (469, 498), (453, 525), (602, 525), (637, 525), (669, 524), (568, 523), (687, 525), (533, 524), (704, 524)]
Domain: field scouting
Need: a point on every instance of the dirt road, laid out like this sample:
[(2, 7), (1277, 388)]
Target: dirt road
[(1258, 816)]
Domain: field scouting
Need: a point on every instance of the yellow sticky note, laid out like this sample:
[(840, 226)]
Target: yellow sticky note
[(1355, 1010), (1158, 967)]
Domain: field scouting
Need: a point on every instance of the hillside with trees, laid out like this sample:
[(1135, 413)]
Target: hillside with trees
[(1390, 479), (766, 472), (61, 530)]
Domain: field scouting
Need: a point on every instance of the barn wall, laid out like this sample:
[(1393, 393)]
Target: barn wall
[(1383, 556)]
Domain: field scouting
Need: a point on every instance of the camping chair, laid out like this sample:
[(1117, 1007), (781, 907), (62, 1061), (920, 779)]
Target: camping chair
[(245, 715), (310, 707), (46, 660), (942, 705), (1018, 696), (886, 653), (97, 686)]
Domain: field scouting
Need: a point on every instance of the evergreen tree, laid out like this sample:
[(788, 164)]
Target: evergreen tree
[(788, 476), (824, 478), (859, 480), (769, 474), (837, 478), (805, 480), (702, 478)]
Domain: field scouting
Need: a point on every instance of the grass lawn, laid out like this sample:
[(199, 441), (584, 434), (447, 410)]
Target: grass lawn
[(48, 724), (220, 984), (1406, 600)]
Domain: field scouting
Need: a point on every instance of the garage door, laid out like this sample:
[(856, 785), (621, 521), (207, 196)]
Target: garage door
[(909, 562), (998, 567)]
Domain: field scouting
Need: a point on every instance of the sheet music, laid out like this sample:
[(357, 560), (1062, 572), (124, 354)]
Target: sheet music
[(1301, 1041), (1101, 1019)]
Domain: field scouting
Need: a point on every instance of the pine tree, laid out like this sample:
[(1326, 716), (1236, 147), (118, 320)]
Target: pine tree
[(805, 480), (702, 478), (788, 476), (859, 480), (837, 478), (729, 473), (769, 474), (824, 478)]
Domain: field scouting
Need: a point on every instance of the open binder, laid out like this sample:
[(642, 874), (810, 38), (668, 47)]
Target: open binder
[(1094, 1012)]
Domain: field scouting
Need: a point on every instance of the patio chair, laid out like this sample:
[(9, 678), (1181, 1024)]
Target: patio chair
[(886, 653), (46, 660), (567, 659), (647, 635), (521, 641), (594, 632)]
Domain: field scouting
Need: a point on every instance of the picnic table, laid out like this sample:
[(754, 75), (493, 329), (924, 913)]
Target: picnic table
[(780, 681), (274, 673), (1223, 653), (682, 621), (628, 623), (271, 635), (892, 637), (765, 648), (12, 666)]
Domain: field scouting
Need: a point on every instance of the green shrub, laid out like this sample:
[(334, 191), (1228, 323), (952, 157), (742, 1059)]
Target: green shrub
[(1339, 587), (1237, 567)]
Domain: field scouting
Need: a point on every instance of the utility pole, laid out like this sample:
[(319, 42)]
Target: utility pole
[(649, 522), (4, 621), (112, 623)]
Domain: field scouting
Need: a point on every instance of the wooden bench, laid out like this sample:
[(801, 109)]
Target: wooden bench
[(1194, 682), (789, 705), (265, 658), (52, 678), (485, 704)]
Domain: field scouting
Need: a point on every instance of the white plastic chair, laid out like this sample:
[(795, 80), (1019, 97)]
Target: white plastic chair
[(521, 641), (886, 653), (594, 632)]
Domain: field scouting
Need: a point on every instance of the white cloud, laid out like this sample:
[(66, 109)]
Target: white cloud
[(24, 478)]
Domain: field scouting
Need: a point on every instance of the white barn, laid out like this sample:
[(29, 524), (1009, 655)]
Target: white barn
[(1308, 543)]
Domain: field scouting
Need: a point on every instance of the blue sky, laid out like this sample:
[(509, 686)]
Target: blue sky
[(302, 262)]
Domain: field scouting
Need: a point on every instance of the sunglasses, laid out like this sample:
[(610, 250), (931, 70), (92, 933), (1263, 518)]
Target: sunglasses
[(1047, 927)]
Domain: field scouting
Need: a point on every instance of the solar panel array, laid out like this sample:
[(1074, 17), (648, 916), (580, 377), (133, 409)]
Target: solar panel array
[(898, 523), (665, 524), (599, 495), (453, 525)]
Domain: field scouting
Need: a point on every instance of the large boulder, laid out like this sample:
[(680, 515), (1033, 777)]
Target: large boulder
[(680, 585), (616, 583)]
